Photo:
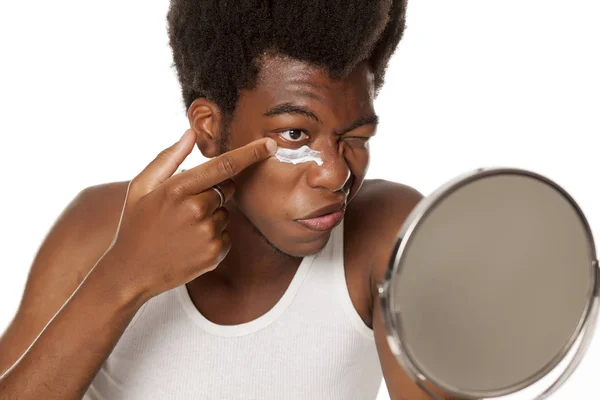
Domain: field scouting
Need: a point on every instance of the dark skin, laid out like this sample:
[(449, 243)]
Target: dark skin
[(267, 245), (336, 118)]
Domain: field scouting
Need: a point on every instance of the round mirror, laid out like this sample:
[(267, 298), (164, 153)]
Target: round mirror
[(493, 279)]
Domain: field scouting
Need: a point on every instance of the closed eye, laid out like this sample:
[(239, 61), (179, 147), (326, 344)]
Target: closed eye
[(364, 138), (360, 142)]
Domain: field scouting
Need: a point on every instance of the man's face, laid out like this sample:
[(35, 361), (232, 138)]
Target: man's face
[(297, 104)]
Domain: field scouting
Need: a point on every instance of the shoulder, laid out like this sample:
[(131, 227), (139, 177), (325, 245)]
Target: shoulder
[(85, 228), (374, 219), (387, 194), (105, 200), (100, 205), (78, 238), (380, 210)]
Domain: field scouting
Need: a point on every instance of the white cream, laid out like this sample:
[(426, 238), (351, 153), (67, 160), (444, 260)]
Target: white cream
[(296, 156)]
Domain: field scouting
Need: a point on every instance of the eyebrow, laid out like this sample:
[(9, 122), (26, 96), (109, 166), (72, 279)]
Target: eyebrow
[(372, 120), (290, 108)]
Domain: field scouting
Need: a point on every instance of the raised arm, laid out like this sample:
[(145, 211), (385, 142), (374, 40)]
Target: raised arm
[(163, 221)]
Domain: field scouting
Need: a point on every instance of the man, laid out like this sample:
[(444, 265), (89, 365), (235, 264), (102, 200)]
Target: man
[(245, 277)]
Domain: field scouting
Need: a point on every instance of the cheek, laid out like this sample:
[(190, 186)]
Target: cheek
[(263, 186), (358, 161)]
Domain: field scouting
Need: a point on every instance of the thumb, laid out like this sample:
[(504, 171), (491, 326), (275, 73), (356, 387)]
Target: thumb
[(166, 163)]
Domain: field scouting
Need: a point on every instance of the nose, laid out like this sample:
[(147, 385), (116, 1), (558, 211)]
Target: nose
[(333, 174)]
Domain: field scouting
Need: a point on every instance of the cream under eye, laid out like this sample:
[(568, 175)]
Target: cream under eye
[(297, 156)]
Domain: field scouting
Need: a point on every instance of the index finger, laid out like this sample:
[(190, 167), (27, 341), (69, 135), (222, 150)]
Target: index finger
[(225, 166)]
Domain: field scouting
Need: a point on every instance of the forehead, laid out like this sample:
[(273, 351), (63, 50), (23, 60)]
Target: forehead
[(282, 78)]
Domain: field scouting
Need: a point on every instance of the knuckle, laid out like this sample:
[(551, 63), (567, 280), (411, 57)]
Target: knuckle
[(173, 192), (197, 210), (226, 241), (207, 230), (227, 166), (215, 248), (221, 215), (225, 214), (224, 249)]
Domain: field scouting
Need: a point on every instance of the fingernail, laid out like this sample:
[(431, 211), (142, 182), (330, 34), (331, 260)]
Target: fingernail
[(271, 146), (182, 136)]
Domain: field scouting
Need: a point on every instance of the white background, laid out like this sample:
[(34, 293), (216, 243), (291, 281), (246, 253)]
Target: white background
[(88, 95)]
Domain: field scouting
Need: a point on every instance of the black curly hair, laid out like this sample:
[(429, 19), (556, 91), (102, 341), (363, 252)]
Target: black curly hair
[(217, 44)]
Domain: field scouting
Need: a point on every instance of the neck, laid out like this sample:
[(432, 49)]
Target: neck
[(252, 261)]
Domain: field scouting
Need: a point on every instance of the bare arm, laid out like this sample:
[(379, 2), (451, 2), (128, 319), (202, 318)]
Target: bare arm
[(73, 245), (58, 307), (65, 357), (164, 220)]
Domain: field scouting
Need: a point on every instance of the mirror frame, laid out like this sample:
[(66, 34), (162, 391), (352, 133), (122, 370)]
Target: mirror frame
[(394, 330)]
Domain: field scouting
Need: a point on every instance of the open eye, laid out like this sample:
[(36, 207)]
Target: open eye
[(293, 135)]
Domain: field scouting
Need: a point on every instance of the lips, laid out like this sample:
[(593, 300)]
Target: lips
[(324, 218), (325, 210)]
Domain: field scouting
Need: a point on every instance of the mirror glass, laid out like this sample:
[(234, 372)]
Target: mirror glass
[(491, 283)]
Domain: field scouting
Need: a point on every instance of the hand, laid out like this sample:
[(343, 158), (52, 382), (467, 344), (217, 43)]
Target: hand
[(172, 229)]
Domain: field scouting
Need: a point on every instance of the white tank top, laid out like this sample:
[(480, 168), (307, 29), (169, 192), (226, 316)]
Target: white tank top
[(311, 345)]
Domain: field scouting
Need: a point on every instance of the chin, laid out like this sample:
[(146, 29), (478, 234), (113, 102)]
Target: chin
[(287, 239), (303, 249)]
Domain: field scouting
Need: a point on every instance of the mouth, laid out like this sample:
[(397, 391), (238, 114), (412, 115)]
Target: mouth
[(325, 218)]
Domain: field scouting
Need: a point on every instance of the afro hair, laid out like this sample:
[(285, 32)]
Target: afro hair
[(217, 44)]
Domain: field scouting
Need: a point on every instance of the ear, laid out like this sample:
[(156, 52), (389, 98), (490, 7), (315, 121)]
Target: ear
[(205, 119)]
